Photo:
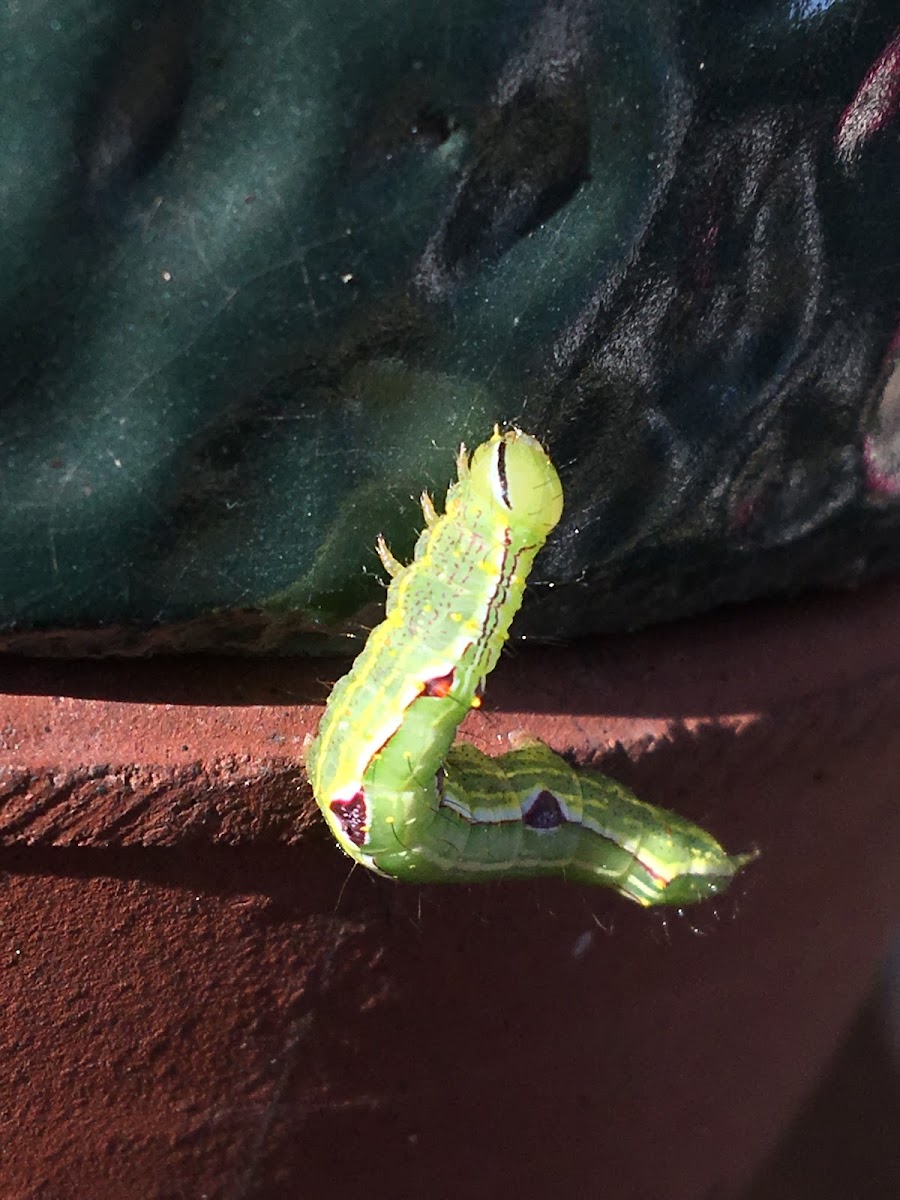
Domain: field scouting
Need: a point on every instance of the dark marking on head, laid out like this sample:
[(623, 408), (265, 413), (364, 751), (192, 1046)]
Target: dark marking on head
[(501, 473), (352, 816), (440, 686), (544, 812)]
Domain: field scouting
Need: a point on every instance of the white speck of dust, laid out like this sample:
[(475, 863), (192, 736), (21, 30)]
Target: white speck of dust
[(582, 944)]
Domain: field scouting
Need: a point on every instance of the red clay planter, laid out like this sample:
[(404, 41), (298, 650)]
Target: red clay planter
[(202, 998)]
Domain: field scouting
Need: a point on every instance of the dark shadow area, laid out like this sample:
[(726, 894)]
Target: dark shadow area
[(844, 1144)]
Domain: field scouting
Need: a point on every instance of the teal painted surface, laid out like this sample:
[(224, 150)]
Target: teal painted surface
[(264, 266)]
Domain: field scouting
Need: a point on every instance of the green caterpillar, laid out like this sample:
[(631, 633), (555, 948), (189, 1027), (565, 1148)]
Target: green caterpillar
[(402, 801)]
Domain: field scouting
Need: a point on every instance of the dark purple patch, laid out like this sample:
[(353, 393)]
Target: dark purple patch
[(351, 815), (501, 474), (544, 812)]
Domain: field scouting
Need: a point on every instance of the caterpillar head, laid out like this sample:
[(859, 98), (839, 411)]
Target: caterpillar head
[(514, 472)]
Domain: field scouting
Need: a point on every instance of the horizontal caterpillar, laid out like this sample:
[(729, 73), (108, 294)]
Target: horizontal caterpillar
[(403, 802)]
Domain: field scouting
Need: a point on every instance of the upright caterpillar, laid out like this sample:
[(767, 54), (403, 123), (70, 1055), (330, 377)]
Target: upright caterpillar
[(404, 803)]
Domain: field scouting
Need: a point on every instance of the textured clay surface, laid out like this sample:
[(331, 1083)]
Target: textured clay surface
[(202, 998)]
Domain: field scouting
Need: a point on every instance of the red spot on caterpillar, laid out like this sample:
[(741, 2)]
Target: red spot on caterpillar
[(441, 686), (352, 816), (656, 876)]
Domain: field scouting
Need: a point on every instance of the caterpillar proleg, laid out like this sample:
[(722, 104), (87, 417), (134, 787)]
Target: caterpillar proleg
[(402, 801)]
